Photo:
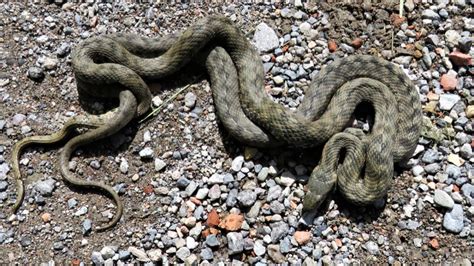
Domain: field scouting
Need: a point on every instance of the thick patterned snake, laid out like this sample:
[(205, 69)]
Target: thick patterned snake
[(359, 165)]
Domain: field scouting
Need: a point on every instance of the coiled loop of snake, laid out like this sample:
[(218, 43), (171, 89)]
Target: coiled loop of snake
[(105, 66)]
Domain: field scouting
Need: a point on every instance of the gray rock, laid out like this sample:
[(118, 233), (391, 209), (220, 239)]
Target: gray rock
[(430, 156), (372, 247), (45, 187), (71, 203), (430, 14), (247, 197), (214, 192), (276, 207), (231, 200), (265, 38), (279, 230), (64, 49), (453, 171), (274, 193), (191, 188), (146, 153), (285, 245), (4, 169), (447, 101), (432, 168), (124, 254), (190, 100), (206, 254), (159, 164), (108, 252), (453, 219), (464, 44), (123, 166), (466, 151), (212, 241), (259, 248), (202, 193), (237, 163), (96, 258), (452, 38), (235, 243), (468, 191), (305, 28), (35, 73), (17, 119), (3, 185), (86, 226), (442, 199), (183, 253), (417, 170), (402, 60), (50, 63), (182, 182)]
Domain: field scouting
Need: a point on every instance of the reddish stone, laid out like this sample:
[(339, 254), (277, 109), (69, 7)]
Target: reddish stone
[(75, 262), (332, 46), (455, 188), (232, 222), (213, 219), (148, 189), (448, 82), (46, 217), (302, 237), (460, 59), (195, 200), (357, 43), (434, 243), (338, 242), (397, 20)]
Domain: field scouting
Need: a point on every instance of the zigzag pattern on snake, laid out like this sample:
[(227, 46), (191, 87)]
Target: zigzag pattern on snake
[(119, 65)]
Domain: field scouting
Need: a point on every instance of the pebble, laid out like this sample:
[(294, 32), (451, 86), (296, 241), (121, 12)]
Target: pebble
[(46, 187), (17, 119), (139, 254), (302, 237), (460, 59), (265, 38), (447, 101), (35, 73), (108, 252), (237, 163), (452, 38), (206, 254), (259, 248), (372, 247), (146, 153), (430, 14), (235, 243), (96, 258), (212, 241), (159, 164), (247, 198), (441, 198), (453, 219), (190, 100), (448, 82), (183, 253), (86, 226)]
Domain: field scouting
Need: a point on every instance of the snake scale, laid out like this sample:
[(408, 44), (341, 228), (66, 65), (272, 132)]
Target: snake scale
[(360, 165)]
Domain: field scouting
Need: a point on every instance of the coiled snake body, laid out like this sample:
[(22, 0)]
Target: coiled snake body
[(118, 65)]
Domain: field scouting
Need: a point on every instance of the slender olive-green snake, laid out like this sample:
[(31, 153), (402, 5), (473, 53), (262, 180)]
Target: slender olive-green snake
[(359, 165)]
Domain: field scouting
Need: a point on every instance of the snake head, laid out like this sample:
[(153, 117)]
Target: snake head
[(319, 188)]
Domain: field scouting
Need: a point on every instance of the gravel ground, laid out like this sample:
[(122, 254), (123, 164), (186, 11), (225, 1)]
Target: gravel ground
[(192, 194)]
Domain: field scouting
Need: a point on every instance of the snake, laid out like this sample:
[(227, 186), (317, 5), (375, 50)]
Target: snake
[(360, 165)]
